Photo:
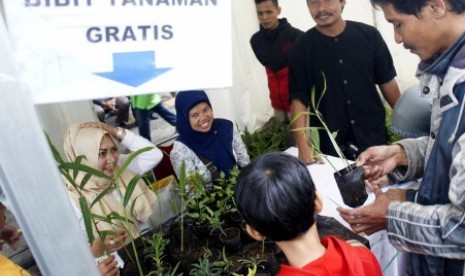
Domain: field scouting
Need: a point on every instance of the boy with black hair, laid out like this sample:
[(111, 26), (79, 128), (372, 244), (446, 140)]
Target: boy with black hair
[(276, 196)]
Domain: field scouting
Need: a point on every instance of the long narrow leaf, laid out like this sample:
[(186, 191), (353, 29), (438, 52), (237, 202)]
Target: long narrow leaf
[(85, 179), (69, 178), (315, 136), (78, 160), (129, 160), (112, 216), (102, 194), (86, 215), (55, 152), (297, 116), (130, 190), (103, 233), (317, 107), (312, 98), (83, 168)]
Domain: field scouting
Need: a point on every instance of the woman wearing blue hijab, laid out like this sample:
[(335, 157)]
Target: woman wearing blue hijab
[(207, 145)]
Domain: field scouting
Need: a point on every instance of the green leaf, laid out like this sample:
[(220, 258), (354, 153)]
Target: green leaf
[(194, 215), (55, 152), (86, 215), (130, 189), (129, 160), (101, 195), (83, 168), (78, 160), (112, 216), (85, 179)]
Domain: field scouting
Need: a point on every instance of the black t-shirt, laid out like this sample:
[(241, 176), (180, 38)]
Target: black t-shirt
[(273, 47), (352, 64)]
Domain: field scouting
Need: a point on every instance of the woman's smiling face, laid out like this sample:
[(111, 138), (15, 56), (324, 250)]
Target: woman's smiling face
[(107, 155), (201, 117)]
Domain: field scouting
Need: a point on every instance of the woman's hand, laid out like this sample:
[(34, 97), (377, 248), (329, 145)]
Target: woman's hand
[(109, 267), (116, 242), (113, 131)]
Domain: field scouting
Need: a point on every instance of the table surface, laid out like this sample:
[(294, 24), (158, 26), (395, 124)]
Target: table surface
[(391, 261)]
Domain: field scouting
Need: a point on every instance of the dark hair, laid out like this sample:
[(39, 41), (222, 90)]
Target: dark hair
[(275, 195), (275, 2), (413, 7)]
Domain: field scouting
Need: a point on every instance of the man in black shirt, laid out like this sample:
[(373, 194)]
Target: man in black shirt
[(350, 59)]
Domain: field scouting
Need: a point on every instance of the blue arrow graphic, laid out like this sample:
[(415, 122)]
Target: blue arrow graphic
[(134, 68)]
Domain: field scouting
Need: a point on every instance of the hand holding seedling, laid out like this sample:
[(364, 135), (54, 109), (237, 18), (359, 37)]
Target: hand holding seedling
[(368, 219), (380, 160)]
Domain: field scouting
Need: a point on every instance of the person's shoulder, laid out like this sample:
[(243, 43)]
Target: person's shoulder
[(363, 252), (288, 26), (306, 36), (362, 26), (178, 146), (255, 39), (347, 244), (223, 121), (257, 35)]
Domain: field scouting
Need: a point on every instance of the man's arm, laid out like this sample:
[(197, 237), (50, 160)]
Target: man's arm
[(390, 91), (441, 226), (300, 121)]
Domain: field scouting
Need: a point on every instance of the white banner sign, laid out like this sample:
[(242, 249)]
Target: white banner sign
[(82, 49)]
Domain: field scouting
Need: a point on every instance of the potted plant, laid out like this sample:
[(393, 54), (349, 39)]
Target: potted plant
[(223, 196), (230, 237), (349, 179), (261, 254), (198, 203), (209, 263), (233, 264), (156, 253)]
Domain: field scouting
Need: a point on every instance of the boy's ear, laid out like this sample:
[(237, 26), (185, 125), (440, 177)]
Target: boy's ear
[(318, 202), (254, 233)]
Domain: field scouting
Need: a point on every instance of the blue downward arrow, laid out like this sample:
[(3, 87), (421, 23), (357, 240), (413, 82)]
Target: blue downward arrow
[(134, 68)]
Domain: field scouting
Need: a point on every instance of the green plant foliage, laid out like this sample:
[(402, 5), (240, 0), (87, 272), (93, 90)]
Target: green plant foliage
[(392, 137), (314, 138), (156, 252), (223, 192), (271, 137), (206, 267), (198, 200)]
